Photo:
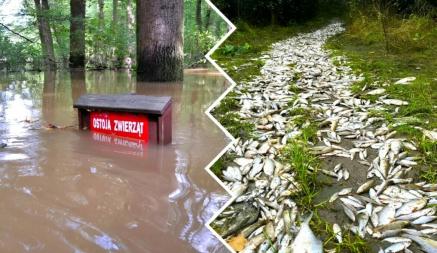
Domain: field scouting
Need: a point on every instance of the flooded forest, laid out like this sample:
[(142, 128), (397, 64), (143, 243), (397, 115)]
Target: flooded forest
[(94, 34), (65, 190)]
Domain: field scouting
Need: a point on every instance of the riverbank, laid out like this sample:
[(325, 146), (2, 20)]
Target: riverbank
[(311, 139)]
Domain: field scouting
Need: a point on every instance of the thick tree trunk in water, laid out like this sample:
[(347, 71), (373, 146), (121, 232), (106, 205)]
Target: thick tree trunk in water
[(160, 40), (199, 15), (77, 34), (45, 34)]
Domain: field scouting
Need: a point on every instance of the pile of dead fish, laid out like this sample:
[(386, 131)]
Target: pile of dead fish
[(390, 206)]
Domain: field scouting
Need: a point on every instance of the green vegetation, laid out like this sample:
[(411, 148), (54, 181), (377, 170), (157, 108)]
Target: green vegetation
[(304, 165), (222, 163), (413, 52), (226, 114), (109, 34), (351, 243)]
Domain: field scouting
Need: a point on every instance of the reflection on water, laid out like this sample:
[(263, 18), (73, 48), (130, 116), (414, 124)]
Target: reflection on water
[(65, 190)]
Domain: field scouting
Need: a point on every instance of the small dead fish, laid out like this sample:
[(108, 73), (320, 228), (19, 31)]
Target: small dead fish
[(427, 244), (345, 191), (396, 239), (392, 226), (423, 220), (394, 102), (417, 214), (349, 212), (412, 206), (337, 232), (366, 186), (306, 241), (346, 174), (232, 174), (397, 247), (269, 167), (406, 80), (337, 167), (376, 91), (387, 215)]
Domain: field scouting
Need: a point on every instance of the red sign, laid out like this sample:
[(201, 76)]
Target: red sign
[(121, 124)]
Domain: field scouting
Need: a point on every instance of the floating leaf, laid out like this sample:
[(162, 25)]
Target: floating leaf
[(238, 242)]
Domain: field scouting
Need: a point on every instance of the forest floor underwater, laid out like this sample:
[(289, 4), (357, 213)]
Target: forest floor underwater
[(399, 74)]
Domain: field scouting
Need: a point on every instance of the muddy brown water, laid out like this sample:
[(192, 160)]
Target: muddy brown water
[(65, 190)]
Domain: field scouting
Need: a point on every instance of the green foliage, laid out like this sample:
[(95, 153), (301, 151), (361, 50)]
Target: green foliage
[(351, 243), (222, 163), (108, 43), (261, 12), (226, 114), (197, 43), (232, 50)]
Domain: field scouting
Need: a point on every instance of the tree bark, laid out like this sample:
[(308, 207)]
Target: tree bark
[(199, 15), (99, 51), (160, 40), (130, 15), (207, 19), (101, 4), (45, 34), (77, 34)]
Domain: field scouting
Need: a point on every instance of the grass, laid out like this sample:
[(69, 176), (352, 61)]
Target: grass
[(413, 53), (296, 153), (351, 243), (222, 163), (226, 114)]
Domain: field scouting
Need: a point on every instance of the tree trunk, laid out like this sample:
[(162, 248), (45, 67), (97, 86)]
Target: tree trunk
[(130, 15), (101, 4), (130, 26), (99, 51), (160, 40), (114, 14), (199, 15), (45, 34), (207, 19), (77, 34)]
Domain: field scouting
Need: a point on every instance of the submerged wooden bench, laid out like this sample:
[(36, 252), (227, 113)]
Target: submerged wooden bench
[(134, 116)]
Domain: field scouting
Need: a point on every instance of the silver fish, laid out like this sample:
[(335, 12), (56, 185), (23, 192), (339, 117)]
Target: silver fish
[(306, 241), (428, 245)]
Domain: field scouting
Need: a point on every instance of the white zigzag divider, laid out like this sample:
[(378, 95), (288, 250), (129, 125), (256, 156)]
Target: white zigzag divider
[(208, 113)]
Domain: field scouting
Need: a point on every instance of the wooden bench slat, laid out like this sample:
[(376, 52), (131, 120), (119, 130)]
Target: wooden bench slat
[(124, 103)]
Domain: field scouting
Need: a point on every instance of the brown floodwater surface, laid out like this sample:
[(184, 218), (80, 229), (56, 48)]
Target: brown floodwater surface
[(65, 190)]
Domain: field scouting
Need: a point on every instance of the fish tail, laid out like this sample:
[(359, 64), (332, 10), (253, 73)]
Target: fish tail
[(308, 218)]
